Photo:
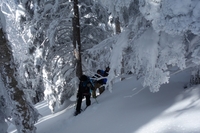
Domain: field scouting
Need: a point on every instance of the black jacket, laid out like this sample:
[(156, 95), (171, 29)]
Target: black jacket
[(84, 86)]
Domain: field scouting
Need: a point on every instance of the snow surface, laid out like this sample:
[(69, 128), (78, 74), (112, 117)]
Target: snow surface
[(130, 108)]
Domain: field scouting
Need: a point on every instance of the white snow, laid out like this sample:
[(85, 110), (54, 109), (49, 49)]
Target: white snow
[(130, 109)]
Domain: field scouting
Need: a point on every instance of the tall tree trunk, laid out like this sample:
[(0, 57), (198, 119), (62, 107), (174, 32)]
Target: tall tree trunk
[(77, 39), (22, 110), (117, 26)]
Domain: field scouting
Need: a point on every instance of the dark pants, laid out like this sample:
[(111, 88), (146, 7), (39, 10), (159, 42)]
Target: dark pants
[(79, 101)]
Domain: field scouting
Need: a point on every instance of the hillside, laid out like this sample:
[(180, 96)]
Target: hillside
[(130, 109)]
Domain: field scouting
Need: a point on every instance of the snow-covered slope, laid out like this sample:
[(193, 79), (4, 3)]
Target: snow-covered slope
[(130, 108)]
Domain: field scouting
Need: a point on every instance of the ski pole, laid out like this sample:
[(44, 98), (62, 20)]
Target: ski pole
[(96, 100)]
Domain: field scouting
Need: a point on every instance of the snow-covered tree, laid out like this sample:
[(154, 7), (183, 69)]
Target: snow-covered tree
[(158, 37), (154, 36), (45, 28), (23, 114), (16, 104)]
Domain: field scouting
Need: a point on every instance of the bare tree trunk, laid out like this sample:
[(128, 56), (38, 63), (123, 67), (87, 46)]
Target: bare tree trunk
[(23, 115), (117, 26), (76, 39)]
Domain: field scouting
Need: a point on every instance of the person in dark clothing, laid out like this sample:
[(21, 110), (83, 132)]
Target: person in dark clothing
[(84, 91)]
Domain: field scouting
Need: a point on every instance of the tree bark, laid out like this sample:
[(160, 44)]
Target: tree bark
[(77, 39), (21, 110), (117, 26)]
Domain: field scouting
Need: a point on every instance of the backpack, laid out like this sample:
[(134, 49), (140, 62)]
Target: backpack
[(86, 86), (92, 81), (104, 80), (102, 73)]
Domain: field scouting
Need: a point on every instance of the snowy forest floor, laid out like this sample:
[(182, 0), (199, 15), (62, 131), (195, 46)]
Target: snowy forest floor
[(130, 109)]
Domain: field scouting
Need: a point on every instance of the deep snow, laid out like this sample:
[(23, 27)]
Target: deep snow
[(130, 108)]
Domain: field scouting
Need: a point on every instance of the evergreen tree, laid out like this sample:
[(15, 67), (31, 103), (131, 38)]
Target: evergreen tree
[(23, 114), (50, 64)]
